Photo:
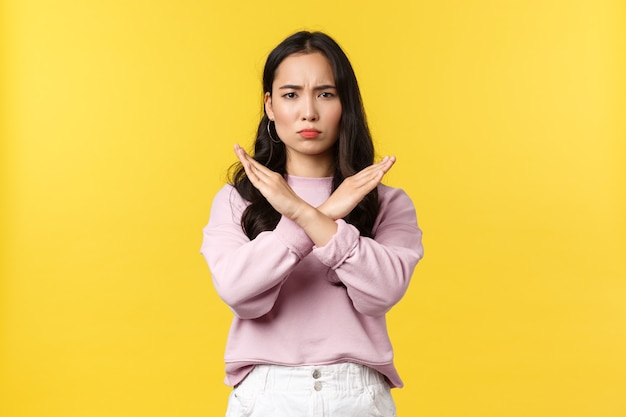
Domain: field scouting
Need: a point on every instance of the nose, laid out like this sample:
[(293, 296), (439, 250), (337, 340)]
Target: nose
[(309, 112)]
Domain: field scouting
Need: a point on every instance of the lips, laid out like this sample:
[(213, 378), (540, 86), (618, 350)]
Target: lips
[(309, 133)]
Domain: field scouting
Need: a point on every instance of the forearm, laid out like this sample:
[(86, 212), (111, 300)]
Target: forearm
[(248, 274), (377, 277), (377, 272)]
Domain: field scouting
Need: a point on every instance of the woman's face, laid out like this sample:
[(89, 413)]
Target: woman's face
[(307, 111)]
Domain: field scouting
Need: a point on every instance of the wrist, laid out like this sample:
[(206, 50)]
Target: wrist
[(319, 227), (327, 210), (305, 215), (324, 210)]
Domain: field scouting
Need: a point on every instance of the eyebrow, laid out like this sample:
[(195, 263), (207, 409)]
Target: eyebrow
[(299, 87)]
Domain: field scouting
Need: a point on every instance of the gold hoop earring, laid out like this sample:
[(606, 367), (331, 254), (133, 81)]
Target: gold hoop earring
[(269, 132)]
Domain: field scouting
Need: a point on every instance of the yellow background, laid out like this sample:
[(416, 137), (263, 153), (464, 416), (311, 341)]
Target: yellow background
[(507, 117)]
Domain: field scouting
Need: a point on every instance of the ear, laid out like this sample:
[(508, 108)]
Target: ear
[(268, 105)]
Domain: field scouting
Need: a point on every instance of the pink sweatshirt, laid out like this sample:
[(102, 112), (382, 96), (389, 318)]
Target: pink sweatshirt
[(280, 286)]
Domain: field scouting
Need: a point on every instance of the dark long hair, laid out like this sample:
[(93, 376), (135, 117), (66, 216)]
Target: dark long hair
[(354, 149)]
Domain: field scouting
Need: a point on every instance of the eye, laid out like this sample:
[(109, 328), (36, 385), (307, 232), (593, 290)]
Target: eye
[(327, 94), (290, 95)]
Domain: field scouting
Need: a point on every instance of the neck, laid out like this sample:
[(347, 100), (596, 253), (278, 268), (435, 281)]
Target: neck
[(314, 167)]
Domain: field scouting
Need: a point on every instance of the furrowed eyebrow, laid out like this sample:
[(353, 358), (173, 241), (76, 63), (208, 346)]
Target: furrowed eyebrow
[(299, 87), (325, 87), (290, 87)]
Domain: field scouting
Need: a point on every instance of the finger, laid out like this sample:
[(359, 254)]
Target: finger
[(251, 169), (243, 158), (388, 163), (241, 154), (373, 177), (250, 172), (260, 170), (383, 164), (371, 172)]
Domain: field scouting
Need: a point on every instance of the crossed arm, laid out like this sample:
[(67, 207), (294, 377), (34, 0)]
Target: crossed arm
[(317, 222), (375, 272)]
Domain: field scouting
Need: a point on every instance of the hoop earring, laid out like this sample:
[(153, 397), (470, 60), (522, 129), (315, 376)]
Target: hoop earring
[(269, 132)]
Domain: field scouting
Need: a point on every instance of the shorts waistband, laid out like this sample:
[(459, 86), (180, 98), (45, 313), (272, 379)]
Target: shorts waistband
[(338, 377)]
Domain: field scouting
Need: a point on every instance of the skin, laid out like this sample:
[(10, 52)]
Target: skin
[(303, 96)]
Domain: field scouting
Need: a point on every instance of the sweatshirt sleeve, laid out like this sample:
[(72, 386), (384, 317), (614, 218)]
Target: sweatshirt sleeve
[(377, 272), (248, 274)]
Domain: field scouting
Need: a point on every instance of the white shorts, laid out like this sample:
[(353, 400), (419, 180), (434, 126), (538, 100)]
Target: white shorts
[(341, 390)]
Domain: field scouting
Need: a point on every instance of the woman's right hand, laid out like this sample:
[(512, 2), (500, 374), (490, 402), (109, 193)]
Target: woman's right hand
[(272, 185), (319, 227), (354, 188)]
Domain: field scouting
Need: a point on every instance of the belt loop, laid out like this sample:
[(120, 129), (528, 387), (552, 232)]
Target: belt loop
[(259, 378), (267, 377), (365, 376)]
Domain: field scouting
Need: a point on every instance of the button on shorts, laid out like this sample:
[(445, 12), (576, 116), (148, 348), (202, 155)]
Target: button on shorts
[(340, 390)]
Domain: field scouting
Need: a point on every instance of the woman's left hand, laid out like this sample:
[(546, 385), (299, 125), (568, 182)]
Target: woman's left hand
[(272, 185), (354, 188)]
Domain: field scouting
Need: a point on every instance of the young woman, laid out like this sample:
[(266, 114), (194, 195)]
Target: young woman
[(309, 249)]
